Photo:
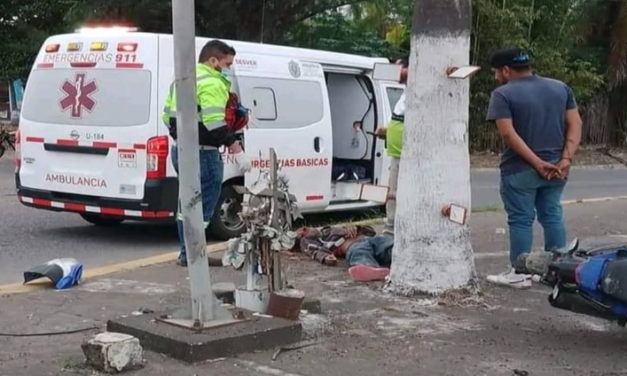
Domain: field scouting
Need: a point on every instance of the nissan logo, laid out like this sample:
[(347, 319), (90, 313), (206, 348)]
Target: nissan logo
[(74, 134)]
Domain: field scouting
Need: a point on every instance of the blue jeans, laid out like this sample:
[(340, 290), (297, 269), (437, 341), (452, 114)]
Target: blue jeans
[(375, 251), (524, 194), (211, 173)]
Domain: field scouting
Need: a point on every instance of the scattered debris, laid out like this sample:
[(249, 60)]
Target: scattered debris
[(520, 372), (500, 231), (297, 346), (257, 314), (466, 297), (142, 311), (64, 273), (216, 360), (113, 352)]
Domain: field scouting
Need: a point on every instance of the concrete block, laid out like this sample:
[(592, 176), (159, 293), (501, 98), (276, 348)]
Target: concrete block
[(113, 352), (256, 333)]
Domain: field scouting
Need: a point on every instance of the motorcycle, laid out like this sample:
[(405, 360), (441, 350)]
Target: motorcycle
[(7, 141), (587, 280)]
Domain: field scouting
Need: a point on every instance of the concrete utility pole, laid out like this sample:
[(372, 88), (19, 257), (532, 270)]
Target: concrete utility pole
[(204, 305), (431, 254)]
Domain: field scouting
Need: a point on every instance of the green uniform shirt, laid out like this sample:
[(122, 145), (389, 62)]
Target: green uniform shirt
[(212, 93), (395, 138)]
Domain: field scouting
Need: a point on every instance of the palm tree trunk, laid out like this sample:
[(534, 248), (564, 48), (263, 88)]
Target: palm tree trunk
[(431, 254)]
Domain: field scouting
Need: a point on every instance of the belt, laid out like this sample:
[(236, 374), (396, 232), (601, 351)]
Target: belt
[(207, 147)]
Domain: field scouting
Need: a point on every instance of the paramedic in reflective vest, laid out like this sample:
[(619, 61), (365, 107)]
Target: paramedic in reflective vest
[(394, 135), (212, 90)]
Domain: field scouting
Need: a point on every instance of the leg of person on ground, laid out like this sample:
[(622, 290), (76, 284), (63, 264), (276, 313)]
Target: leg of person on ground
[(518, 192), (363, 263)]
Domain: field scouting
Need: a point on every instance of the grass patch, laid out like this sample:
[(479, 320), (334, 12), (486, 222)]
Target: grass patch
[(488, 208), (362, 217), (73, 365)]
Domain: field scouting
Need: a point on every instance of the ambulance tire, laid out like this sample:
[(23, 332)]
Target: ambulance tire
[(226, 223), (102, 221)]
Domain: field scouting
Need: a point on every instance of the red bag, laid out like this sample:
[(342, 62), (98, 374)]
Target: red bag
[(235, 116)]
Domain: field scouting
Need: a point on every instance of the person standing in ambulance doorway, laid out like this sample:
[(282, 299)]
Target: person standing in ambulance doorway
[(394, 135), (212, 95), (539, 121)]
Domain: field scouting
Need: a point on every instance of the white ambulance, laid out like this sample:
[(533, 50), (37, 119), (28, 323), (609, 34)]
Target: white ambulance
[(91, 139)]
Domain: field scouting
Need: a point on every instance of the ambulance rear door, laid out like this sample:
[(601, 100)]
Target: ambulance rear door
[(89, 111)]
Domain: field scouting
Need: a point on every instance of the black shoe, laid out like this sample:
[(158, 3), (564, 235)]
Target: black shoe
[(182, 263)]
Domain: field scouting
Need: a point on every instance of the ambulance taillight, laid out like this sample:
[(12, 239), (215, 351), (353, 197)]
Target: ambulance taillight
[(157, 151), (18, 152)]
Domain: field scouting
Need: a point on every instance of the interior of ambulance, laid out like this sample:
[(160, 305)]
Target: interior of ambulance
[(354, 120)]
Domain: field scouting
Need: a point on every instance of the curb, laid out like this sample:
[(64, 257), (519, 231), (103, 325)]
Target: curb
[(19, 288)]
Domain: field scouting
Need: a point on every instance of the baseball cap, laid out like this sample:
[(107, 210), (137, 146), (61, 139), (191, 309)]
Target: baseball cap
[(510, 57)]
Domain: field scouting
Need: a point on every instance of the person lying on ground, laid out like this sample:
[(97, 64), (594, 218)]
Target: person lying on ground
[(369, 255)]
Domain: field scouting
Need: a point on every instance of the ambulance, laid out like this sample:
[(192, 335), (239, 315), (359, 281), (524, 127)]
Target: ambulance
[(91, 139)]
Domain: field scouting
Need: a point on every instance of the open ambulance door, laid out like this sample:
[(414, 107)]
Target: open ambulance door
[(290, 113)]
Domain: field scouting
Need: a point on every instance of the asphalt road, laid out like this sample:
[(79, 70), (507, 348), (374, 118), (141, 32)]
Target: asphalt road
[(583, 184), (29, 237)]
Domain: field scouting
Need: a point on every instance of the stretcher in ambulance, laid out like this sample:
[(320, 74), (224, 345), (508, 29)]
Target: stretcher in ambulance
[(91, 138)]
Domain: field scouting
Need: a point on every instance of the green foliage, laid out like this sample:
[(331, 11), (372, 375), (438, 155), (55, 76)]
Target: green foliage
[(24, 25), (583, 42), (333, 31), (552, 31)]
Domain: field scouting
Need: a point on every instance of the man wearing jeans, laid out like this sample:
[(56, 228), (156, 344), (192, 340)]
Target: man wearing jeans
[(539, 121), (212, 91)]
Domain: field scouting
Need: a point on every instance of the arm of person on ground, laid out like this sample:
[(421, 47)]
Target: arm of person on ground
[(573, 135), (312, 245)]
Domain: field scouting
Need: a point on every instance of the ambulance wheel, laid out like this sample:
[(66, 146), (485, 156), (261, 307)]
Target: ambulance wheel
[(99, 220), (226, 222)]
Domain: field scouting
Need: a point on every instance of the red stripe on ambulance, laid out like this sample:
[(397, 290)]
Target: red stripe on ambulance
[(95, 144), (129, 65), (314, 198), (105, 145), (80, 208), (45, 66), (67, 142), (83, 64)]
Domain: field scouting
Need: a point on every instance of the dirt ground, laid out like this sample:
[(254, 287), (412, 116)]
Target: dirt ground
[(363, 330)]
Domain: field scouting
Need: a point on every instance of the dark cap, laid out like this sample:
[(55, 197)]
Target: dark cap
[(510, 57)]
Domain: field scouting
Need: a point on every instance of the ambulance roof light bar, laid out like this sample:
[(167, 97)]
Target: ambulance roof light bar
[(100, 30)]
